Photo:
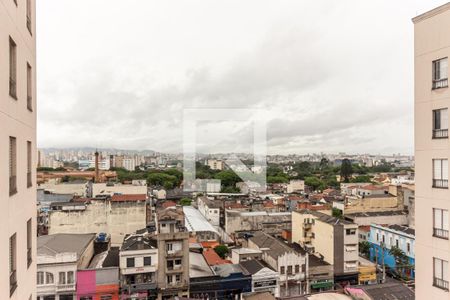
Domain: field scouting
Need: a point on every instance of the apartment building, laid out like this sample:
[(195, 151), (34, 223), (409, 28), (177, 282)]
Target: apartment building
[(333, 239), (173, 256), (432, 101), (138, 266), (17, 149)]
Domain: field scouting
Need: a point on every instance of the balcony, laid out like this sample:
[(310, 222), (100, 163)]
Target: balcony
[(440, 133), (440, 83), (65, 287), (139, 287), (13, 88), (439, 283), (12, 282), (440, 233), (173, 269), (12, 185), (440, 183)]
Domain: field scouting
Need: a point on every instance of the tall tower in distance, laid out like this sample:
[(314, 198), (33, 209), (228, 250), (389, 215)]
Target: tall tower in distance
[(18, 153), (432, 151), (97, 171)]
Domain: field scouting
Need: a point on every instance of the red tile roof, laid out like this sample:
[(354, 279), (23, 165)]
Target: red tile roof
[(129, 197), (212, 258)]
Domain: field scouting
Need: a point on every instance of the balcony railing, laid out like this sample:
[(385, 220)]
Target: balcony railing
[(440, 283), (12, 88), (440, 133), (12, 282), (440, 83), (440, 233), (30, 103), (440, 183), (12, 185), (29, 181), (65, 287)]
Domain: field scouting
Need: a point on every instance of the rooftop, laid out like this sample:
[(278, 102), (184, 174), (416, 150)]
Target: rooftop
[(129, 197), (53, 244), (377, 213), (275, 247), (228, 269), (198, 267), (212, 258), (195, 221), (133, 242), (326, 218), (432, 13)]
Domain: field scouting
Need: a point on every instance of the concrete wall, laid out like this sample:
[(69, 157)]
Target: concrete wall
[(431, 42), (272, 223), (17, 121), (114, 218)]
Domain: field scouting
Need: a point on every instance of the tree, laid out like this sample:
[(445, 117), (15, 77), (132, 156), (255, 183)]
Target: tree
[(364, 248), (227, 178), (336, 212), (315, 183), (401, 260), (346, 170), (185, 201), (222, 251)]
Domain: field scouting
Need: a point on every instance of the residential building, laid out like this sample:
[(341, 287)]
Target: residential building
[(333, 239), (290, 264), (173, 256), (432, 100), (59, 256), (210, 209), (18, 154), (384, 238), (138, 266), (295, 186), (239, 255), (215, 164)]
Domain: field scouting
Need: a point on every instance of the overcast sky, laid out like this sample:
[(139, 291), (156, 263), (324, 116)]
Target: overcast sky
[(327, 76)]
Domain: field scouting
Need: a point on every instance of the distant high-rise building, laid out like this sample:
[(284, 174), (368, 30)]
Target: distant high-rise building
[(432, 151), (17, 150)]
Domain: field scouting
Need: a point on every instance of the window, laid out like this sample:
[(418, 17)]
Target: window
[(351, 231), (440, 173), (169, 279), (29, 87), (62, 278), (147, 261), (289, 270), (178, 278), (408, 248), (282, 270), (440, 223), (12, 166), (396, 243), (40, 278), (440, 276), (12, 68), (12, 264), (49, 278), (440, 123), (29, 241), (29, 16), (378, 237), (106, 297), (70, 279), (130, 262), (297, 269), (440, 73), (29, 159)]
